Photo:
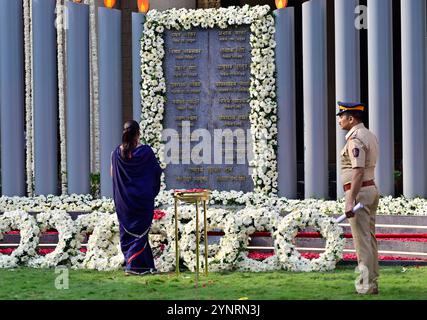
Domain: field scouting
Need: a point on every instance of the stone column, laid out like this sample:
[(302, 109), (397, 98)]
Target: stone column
[(315, 99), (347, 68), (45, 82), (110, 91), (380, 57), (285, 88), (414, 108), (12, 98), (78, 104)]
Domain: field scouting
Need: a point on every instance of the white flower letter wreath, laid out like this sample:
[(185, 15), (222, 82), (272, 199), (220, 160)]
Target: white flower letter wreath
[(248, 221), (288, 228), (85, 224), (61, 221), (19, 220), (162, 241), (103, 251), (221, 256)]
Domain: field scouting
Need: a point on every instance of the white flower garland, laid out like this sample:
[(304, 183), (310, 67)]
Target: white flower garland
[(103, 250), (262, 90), (248, 221), (288, 228), (19, 220), (85, 224), (221, 256), (60, 27), (65, 248), (94, 88), (71, 203), (86, 203), (162, 242), (28, 38), (104, 253)]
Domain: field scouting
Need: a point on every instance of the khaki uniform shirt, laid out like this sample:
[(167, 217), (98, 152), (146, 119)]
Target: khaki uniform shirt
[(360, 151)]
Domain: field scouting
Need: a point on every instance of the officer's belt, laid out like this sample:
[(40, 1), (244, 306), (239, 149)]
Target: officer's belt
[(364, 184)]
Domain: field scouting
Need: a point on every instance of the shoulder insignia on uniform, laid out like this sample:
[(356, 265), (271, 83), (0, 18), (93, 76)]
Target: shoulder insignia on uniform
[(356, 152)]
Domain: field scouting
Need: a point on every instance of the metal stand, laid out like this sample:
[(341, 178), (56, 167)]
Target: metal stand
[(193, 197)]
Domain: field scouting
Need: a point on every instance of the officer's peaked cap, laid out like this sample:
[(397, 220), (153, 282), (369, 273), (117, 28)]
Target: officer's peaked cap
[(350, 106)]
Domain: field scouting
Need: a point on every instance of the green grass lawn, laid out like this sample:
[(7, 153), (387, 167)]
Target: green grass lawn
[(395, 283)]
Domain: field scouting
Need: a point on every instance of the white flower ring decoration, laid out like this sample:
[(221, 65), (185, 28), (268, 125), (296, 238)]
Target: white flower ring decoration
[(162, 240), (249, 221), (288, 228), (85, 224), (62, 222), (29, 231), (221, 256), (104, 253), (103, 249)]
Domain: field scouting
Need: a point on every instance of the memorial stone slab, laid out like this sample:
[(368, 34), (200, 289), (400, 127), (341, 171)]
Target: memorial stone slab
[(207, 74)]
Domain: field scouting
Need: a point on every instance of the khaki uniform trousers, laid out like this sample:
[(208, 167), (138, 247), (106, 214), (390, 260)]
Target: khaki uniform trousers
[(363, 230)]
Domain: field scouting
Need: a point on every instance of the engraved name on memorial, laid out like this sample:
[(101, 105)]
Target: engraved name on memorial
[(207, 87)]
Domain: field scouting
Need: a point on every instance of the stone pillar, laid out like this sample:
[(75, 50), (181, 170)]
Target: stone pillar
[(380, 57), (12, 98), (285, 88), (110, 91), (45, 82), (78, 104), (347, 68), (315, 99), (414, 108)]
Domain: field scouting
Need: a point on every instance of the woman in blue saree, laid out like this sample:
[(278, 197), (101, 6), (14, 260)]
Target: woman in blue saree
[(136, 182)]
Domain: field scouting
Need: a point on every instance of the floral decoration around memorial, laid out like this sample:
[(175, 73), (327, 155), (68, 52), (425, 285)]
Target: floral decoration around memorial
[(289, 257), (60, 48), (103, 247), (66, 247), (87, 203), (28, 49), (238, 214), (263, 115), (221, 256), (29, 232), (247, 222)]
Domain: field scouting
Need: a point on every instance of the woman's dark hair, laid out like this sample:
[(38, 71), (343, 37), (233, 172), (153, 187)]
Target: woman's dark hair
[(129, 138)]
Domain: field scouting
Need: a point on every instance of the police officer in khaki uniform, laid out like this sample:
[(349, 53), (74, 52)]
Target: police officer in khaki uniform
[(358, 160)]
